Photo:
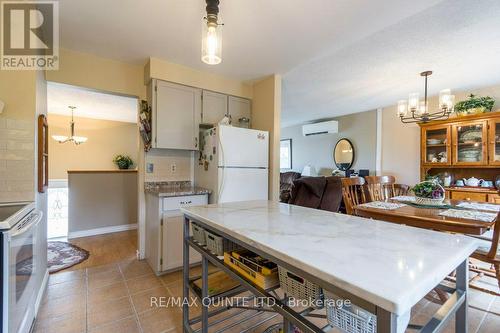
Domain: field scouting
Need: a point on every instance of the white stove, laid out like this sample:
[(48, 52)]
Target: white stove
[(18, 243), (11, 213)]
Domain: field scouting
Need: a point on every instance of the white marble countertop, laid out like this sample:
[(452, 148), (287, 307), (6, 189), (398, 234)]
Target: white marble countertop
[(390, 265)]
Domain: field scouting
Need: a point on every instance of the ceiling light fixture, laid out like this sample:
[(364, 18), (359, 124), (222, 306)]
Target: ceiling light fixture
[(211, 42), (76, 139), (413, 110)]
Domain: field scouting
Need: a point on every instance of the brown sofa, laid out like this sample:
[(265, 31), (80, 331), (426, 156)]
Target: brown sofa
[(317, 192)]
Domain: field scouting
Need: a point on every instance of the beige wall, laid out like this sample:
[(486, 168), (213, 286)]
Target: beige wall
[(90, 71), (17, 131), (105, 140), (401, 142), (266, 111), (164, 70), (101, 200), (359, 128)]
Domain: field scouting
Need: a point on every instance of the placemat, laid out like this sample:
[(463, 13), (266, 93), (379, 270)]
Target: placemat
[(404, 198), (383, 205), (480, 206), (470, 215)]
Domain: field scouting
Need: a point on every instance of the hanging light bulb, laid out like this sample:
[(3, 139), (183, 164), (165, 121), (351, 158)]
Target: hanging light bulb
[(402, 107), (211, 43)]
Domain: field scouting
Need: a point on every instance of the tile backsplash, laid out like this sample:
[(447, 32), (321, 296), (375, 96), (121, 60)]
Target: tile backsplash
[(17, 160), (169, 165)]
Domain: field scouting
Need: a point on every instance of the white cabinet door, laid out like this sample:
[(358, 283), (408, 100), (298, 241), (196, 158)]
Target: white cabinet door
[(239, 108), (177, 110), (172, 243), (214, 107)]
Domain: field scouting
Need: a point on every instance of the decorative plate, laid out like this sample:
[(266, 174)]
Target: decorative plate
[(434, 141), (471, 135)]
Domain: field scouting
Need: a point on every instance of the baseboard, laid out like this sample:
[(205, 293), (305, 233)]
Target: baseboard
[(41, 292), (101, 231)]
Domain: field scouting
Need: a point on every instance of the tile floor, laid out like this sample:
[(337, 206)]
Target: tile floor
[(116, 298)]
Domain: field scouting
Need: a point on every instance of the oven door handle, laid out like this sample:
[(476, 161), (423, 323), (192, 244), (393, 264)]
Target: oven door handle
[(35, 220)]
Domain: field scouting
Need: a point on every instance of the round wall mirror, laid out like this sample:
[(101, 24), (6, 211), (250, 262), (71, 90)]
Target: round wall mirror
[(343, 154)]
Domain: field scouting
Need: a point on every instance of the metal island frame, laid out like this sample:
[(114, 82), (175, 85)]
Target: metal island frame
[(210, 216)]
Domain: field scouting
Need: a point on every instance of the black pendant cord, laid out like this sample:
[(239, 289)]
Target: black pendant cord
[(425, 94)]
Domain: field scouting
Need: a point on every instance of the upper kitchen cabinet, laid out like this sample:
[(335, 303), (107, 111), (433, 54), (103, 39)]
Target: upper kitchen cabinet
[(239, 108), (214, 107), (494, 141), (470, 143), (176, 115)]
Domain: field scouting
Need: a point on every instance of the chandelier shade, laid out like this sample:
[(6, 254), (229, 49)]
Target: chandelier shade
[(77, 140), (415, 110)]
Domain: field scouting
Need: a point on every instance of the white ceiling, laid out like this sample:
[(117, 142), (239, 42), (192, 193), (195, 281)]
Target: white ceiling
[(458, 39), (90, 104), (260, 37), (336, 56)]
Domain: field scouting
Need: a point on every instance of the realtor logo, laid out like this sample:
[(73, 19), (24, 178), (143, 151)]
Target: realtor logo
[(29, 35)]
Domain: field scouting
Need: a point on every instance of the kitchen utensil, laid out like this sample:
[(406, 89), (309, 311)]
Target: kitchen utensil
[(487, 183), (447, 180), (434, 141), (473, 181)]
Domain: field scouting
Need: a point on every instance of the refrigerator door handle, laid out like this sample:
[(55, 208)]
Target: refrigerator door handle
[(221, 154)]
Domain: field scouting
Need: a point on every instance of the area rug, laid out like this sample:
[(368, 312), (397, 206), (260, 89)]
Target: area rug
[(62, 255)]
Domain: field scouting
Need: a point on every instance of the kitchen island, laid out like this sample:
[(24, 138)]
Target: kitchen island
[(381, 267)]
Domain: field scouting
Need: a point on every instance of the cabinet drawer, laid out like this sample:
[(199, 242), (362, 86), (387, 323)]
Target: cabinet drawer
[(494, 198), (469, 196), (175, 203)]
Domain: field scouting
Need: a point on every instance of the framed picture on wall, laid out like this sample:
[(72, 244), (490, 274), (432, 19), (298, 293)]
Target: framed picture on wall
[(286, 154)]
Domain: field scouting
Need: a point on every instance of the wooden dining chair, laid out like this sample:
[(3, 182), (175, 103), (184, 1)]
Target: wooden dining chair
[(380, 188), (489, 252), (353, 193), (400, 189)]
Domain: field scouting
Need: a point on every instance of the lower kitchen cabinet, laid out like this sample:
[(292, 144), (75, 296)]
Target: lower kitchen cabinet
[(164, 231)]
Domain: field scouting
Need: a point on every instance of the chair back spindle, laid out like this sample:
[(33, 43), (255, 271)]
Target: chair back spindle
[(353, 193), (380, 188)]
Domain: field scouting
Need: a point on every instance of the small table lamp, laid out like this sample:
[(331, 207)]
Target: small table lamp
[(309, 170)]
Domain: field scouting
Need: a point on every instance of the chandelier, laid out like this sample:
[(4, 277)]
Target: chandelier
[(211, 43), (75, 139), (414, 110)]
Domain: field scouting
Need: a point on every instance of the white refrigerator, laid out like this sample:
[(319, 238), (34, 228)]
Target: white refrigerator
[(233, 163)]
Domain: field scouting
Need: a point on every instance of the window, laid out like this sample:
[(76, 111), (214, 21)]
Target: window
[(286, 154)]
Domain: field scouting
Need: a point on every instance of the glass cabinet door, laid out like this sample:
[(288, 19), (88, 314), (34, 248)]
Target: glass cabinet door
[(436, 145), (494, 137), (469, 146)]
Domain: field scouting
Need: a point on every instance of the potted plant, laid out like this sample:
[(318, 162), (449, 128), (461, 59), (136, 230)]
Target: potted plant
[(428, 193), (474, 105), (123, 161)]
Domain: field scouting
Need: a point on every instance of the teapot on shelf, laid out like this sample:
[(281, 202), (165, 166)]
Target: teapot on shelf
[(472, 181)]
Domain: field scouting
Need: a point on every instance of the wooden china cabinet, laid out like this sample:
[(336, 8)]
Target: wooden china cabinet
[(463, 147)]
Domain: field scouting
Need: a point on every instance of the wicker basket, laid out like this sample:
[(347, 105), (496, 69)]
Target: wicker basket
[(429, 201), (298, 287), (350, 319), (199, 234), (218, 244)]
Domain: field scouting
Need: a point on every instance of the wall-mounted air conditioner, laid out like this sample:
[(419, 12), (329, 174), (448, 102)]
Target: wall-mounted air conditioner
[(325, 127)]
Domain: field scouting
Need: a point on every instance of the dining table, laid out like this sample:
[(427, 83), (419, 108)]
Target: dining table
[(430, 217)]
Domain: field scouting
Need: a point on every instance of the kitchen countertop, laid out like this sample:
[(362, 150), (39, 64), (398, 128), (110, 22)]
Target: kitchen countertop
[(390, 265), (104, 171), (176, 191)]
